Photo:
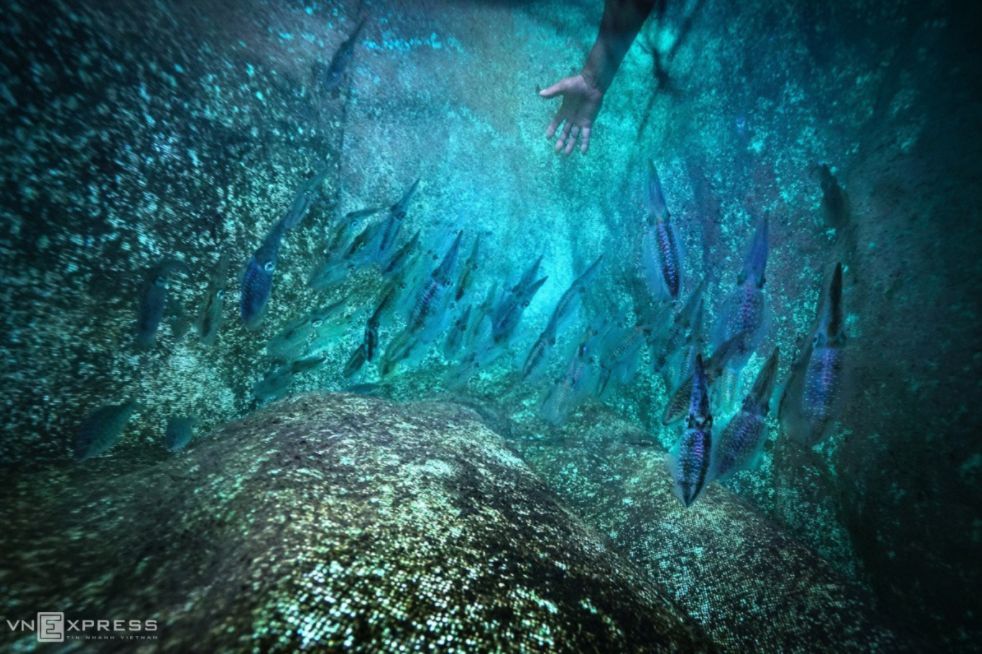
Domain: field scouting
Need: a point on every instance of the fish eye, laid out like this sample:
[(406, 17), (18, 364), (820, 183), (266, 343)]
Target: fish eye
[(221, 293), (525, 303), (269, 266), (317, 323), (161, 281)]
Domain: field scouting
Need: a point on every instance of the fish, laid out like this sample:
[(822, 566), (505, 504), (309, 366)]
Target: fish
[(337, 261), (480, 329), (274, 385), (398, 350), (458, 333), (690, 460), (815, 392), (430, 300), (683, 362), (675, 409), (305, 196), (330, 78), (258, 279), (328, 323), (366, 350), (393, 224), (509, 312), (102, 429), (180, 321), (211, 314), (153, 299), (402, 257), (577, 382), (572, 298), (622, 347), (466, 278), (661, 252), (835, 201), (741, 444), (291, 340), (670, 340), (538, 357), (510, 307), (745, 309), (179, 432)]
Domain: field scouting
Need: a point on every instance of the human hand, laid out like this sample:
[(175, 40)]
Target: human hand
[(581, 104)]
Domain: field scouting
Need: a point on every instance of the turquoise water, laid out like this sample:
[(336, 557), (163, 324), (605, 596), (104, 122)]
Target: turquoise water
[(208, 210)]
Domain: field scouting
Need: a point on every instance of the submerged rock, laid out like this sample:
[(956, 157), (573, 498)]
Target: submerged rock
[(752, 587), (330, 522)]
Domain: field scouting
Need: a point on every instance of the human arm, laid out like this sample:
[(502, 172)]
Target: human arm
[(583, 94)]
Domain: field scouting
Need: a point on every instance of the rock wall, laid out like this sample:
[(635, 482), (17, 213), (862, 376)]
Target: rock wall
[(329, 523)]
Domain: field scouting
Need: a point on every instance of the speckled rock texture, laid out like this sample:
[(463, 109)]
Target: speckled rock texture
[(132, 131), (330, 522), (752, 586)]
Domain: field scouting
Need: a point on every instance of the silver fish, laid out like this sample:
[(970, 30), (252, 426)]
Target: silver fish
[(578, 381), (466, 278)]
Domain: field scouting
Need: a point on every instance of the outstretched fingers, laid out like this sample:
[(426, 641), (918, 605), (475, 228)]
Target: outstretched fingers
[(561, 140), (554, 90), (585, 140), (554, 125), (571, 143)]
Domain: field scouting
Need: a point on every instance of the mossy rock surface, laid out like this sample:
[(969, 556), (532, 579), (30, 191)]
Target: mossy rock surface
[(750, 584), (330, 522)]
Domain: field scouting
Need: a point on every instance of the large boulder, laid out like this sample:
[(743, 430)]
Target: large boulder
[(329, 522), (752, 586)]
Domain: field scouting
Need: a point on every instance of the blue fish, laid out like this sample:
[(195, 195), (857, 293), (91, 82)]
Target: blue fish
[(330, 78), (690, 461), (102, 429), (258, 279), (815, 391), (508, 312), (179, 432), (745, 309), (741, 444), (305, 196), (153, 300), (670, 340), (466, 278), (392, 225), (661, 248), (712, 371), (211, 314), (579, 379)]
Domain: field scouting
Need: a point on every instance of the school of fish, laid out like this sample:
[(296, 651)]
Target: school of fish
[(427, 305)]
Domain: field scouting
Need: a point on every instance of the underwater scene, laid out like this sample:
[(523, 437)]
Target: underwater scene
[(491, 326)]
